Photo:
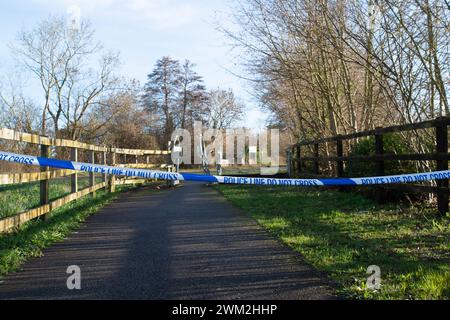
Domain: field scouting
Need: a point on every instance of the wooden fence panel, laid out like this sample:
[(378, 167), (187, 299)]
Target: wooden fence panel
[(8, 134), (74, 178), (44, 184), (15, 221), (18, 178), (441, 156), (44, 176)]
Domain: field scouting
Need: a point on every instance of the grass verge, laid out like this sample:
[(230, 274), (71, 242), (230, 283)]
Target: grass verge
[(344, 233), (34, 236)]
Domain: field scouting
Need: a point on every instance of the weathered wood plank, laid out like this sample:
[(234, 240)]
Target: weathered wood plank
[(137, 152), (16, 178), (112, 179), (44, 191), (131, 181), (140, 166), (74, 177), (443, 121), (9, 134), (381, 157), (143, 166), (9, 223), (91, 174)]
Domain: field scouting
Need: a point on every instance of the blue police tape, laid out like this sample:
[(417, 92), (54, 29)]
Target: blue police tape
[(152, 174)]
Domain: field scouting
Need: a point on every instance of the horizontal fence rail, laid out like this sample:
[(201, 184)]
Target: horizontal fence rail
[(441, 156), (17, 178), (441, 121), (102, 154), (139, 152), (8, 134), (19, 219)]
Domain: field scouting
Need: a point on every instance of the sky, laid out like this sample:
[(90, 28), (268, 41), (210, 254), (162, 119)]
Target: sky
[(144, 31)]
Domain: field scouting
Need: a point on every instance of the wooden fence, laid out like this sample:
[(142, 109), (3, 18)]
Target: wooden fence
[(441, 156), (108, 156)]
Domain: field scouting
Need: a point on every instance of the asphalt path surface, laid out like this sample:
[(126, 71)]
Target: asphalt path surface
[(186, 243)]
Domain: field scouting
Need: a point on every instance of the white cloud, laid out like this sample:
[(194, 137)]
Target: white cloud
[(85, 5), (155, 14), (163, 13)]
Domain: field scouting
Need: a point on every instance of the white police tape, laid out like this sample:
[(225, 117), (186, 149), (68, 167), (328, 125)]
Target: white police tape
[(152, 174)]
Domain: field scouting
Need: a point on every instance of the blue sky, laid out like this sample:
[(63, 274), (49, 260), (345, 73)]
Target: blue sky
[(143, 31)]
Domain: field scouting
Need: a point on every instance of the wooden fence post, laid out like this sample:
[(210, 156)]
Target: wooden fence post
[(288, 162), (316, 162), (105, 176), (298, 160), (112, 179), (442, 148), (339, 153), (44, 184), (91, 174), (74, 177), (169, 162), (379, 151)]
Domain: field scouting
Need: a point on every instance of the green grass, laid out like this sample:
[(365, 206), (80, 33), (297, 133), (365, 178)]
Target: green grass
[(19, 198), (344, 233), (34, 236)]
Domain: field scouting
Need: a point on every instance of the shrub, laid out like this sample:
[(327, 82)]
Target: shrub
[(392, 145)]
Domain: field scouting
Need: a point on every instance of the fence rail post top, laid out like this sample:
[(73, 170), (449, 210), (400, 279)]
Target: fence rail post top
[(378, 130), (442, 120)]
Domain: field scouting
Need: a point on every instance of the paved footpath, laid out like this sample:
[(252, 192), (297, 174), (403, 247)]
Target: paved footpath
[(187, 243)]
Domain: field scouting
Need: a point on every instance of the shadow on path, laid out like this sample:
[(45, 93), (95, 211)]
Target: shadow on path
[(187, 243)]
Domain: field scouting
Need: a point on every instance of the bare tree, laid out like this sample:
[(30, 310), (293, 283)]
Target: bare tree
[(192, 94), (221, 109), (331, 67), (124, 122), (59, 57), (17, 112)]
